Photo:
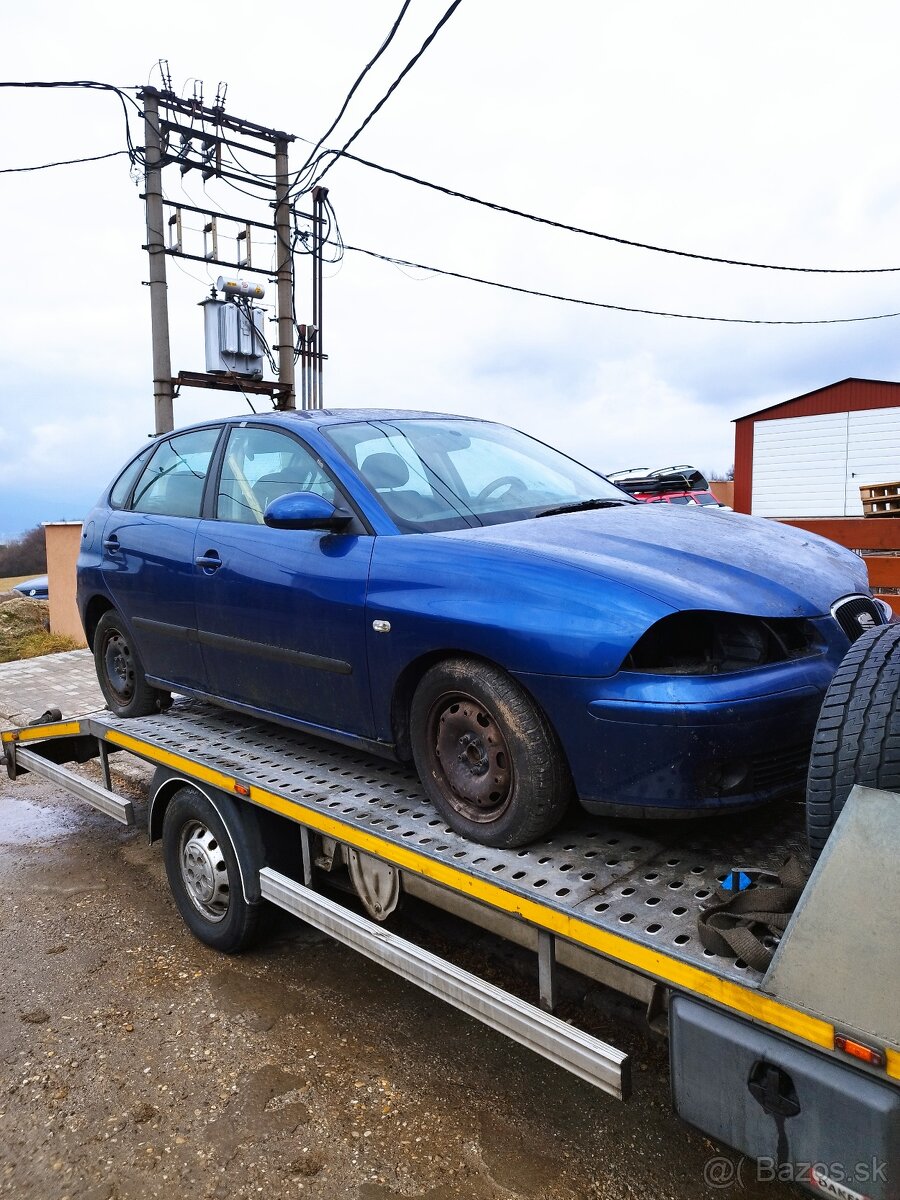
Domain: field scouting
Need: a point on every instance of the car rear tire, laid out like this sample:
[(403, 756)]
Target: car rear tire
[(486, 754), (202, 866), (120, 671), (857, 738)]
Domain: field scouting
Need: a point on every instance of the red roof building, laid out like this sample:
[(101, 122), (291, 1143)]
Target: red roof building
[(808, 457)]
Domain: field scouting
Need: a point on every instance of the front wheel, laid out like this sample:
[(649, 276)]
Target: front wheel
[(204, 874), (120, 671), (486, 754)]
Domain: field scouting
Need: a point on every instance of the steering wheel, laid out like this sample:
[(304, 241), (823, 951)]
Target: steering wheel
[(510, 481)]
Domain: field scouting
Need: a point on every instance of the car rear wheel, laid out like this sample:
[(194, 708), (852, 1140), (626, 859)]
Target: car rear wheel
[(857, 738), (486, 754), (120, 671)]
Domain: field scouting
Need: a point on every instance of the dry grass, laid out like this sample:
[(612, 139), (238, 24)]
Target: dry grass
[(12, 580), (25, 629)]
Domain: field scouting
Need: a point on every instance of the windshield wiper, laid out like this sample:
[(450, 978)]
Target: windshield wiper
[(582, 506)]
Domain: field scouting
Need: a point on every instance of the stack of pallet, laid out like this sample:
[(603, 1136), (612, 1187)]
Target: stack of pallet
[(880, 499)]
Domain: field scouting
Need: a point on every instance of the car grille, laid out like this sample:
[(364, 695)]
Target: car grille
[(783, 769), (856, 615)]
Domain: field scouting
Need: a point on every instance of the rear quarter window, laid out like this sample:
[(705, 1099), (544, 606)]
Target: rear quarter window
[(121, 489)]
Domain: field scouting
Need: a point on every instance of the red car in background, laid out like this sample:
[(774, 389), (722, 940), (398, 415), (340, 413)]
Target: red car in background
[(667, 485)]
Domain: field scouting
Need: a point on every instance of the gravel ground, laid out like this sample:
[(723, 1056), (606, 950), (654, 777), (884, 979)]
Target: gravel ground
[(137, 1063)]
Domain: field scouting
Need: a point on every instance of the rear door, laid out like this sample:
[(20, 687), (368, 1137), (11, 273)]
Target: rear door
[(148, 557), (281, 612)]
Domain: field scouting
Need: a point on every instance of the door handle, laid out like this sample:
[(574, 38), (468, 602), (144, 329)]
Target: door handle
[(111, 543), (209, 561)]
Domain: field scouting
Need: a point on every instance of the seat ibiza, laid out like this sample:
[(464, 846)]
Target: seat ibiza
[(453, 592)]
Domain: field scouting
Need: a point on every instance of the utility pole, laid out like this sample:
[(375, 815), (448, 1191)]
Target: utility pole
[(217, 145), (163, 390), (285, 275), (320, 194)]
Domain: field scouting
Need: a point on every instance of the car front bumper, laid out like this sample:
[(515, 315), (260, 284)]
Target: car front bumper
[(650, 745)]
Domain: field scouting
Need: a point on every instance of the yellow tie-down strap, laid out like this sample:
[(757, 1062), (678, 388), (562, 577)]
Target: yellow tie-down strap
[(662, 967)]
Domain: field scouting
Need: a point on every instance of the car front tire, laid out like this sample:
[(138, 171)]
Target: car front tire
[(486, 755)]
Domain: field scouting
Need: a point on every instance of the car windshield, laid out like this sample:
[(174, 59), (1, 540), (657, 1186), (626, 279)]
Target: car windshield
[(433, 474)]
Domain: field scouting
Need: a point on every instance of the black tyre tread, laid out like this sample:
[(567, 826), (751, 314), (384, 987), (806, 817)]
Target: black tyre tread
[(240, 928), (549, 780), (857, 737), (146, 699)]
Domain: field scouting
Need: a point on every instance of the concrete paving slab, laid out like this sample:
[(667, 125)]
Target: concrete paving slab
[(65, 681)]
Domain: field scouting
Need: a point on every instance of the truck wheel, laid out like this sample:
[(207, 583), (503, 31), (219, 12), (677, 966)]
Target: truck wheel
[(204, 875), (486, 754), (857, 738), (120, 671)]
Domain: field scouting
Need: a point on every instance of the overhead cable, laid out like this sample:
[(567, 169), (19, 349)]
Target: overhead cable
[(650, 312), (606, 237), (381, 103), (134, 154), (371, 63), (65, 162)]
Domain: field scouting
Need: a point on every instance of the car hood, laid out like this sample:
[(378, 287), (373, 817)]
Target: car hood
[(692, 559)]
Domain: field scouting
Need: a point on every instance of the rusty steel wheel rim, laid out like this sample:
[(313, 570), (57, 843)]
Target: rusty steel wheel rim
[(470, 760)]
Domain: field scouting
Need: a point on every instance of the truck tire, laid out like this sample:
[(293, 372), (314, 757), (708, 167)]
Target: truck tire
[(201, 854), (486, 755), (857, 738)]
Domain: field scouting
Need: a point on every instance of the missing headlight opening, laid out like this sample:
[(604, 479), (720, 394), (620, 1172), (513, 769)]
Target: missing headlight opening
[(711, 643)]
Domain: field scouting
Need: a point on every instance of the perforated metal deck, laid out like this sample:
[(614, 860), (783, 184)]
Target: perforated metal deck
[(642, 880)]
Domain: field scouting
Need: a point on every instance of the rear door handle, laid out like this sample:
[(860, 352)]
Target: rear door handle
[(111, 543), (209, 561)]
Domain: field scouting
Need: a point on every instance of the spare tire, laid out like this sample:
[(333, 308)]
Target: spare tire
[(857, 738)]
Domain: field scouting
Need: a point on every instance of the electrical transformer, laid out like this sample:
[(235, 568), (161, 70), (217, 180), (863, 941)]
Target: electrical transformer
[(234, 338)]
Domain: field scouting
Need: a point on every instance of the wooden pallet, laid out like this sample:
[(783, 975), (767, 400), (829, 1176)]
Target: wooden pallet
[(880, 499)]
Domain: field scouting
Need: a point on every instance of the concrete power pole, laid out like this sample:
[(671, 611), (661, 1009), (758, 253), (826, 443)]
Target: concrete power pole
[(285, 276), (163, 391)]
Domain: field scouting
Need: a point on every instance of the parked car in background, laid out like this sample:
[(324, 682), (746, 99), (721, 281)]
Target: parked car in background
[(37, 589), (451, 592), (667, 485)]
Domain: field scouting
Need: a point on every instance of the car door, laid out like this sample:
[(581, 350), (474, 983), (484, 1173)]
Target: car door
[(147, 558), (281, 612)]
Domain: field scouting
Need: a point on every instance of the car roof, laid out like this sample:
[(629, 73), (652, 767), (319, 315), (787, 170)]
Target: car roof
[(331, 416)]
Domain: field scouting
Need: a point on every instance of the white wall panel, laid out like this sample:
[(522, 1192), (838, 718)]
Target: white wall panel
[(814, 466), (873, 452), (800, 466)]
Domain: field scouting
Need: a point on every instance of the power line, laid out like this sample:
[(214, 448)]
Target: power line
[(384, 99), (371, 63), (650, 312), (66, 162), (135, 155), (444, 190), (606, 237)]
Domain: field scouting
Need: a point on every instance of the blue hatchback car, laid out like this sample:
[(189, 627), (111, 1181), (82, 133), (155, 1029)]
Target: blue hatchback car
[(452, 592)]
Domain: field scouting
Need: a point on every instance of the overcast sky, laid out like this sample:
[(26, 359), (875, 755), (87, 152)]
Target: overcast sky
[(763, 132)]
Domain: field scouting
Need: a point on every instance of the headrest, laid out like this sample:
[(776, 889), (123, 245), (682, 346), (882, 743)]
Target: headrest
[(385, 470)]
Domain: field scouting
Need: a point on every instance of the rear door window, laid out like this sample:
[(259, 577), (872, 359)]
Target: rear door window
[(172, 482)]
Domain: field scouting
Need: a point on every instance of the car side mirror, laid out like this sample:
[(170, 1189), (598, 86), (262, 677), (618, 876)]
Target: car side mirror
[(305, 510)]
